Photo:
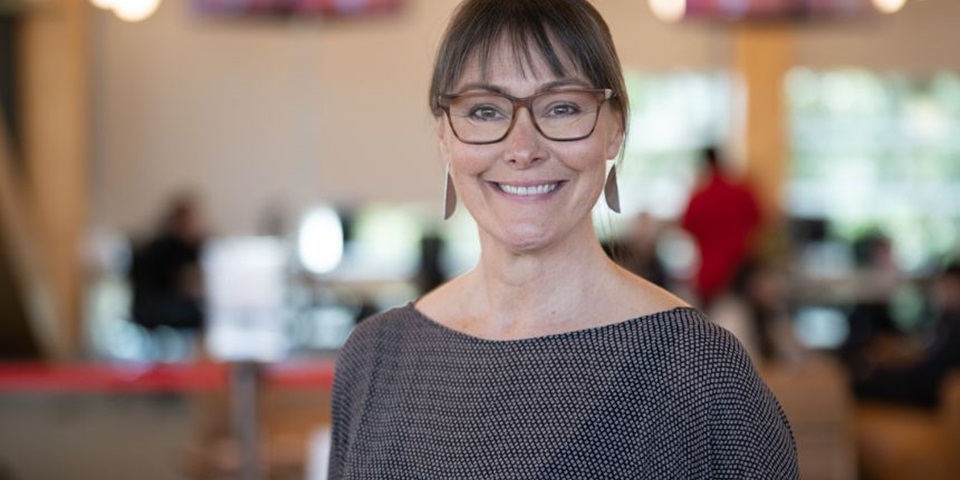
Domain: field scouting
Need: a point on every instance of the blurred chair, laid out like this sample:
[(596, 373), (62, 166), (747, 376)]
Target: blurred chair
[(950, 408), (815, 397), (288, 421), (899, 443)]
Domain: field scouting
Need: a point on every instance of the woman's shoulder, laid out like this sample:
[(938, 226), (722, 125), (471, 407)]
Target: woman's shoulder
[(688, 328), (712, 367), (380, 326), (686, 341), (372, 335)]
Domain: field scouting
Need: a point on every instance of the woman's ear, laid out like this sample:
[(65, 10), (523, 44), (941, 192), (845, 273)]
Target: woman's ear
[(440, 131), (614, 142)]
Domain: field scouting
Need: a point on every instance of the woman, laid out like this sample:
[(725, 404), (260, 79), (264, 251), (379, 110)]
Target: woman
[(546, 360)]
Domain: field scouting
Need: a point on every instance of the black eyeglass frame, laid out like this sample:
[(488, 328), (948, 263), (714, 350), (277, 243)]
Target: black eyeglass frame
[(602, 95)]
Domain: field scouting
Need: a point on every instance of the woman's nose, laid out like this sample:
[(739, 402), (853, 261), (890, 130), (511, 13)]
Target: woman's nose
[(524, 142)]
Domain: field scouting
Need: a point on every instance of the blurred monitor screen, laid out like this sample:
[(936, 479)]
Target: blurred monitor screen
[(246, 292), (787, 10)]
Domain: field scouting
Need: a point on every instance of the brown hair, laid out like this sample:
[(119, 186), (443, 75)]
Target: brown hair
[(553, 27)]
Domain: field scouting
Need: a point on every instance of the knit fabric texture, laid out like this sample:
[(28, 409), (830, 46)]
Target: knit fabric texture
[(663, 396)]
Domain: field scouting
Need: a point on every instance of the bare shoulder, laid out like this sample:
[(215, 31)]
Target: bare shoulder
[(443, 302), (643, 297)]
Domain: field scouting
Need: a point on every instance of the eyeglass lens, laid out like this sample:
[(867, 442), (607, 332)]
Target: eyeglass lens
[(561, 115)]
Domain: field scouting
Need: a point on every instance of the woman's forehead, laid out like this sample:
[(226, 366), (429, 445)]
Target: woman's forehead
[(524, 60)]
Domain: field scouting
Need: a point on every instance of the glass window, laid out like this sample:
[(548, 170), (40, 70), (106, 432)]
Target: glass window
[(878, 152)]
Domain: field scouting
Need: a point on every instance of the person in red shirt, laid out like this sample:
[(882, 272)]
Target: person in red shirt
[(723, 216)]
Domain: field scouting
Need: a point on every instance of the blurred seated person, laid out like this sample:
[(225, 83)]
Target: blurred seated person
[(878, 279), (636, 250), (165, 274), (431, 273), (916, 381), (756, 309)]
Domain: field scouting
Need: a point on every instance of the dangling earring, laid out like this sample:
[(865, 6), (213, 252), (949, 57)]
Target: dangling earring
[(449, 196), (611, 193)]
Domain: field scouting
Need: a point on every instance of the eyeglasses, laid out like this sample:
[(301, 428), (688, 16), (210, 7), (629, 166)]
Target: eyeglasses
[(481, 118)]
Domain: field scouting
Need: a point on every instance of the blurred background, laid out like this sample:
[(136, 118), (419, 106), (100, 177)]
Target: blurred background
[(201, 196)]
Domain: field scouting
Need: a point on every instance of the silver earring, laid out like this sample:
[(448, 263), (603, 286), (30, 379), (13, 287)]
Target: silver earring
[(611, 192), (449, 196)]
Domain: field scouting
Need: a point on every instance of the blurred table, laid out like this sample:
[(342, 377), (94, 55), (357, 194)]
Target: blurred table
[(235, 418), (817, 401)]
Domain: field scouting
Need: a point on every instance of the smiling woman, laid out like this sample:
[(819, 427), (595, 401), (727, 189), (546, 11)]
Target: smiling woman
[(546, 360), (527, 148)]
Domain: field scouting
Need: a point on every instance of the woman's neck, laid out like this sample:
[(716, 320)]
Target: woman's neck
[(571, 286), (546, 291)]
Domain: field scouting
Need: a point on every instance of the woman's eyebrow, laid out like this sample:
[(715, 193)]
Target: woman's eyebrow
[(481, 86), (565, 82)]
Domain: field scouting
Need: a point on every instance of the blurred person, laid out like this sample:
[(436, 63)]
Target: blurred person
[(637, 250), (430, 273), (878, 277), (723, 217), (165, 273), (916, 380), (757, 310), (546, 360)]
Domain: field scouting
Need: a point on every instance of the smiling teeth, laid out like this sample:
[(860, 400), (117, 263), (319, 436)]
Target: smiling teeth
[(534, 190)]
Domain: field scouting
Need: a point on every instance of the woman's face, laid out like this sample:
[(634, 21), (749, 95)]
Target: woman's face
[(528, 192)]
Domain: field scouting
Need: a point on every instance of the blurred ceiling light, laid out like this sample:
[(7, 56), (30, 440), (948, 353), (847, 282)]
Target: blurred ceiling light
[(135, 10), (668, 10), (889, 6), (129, 10)]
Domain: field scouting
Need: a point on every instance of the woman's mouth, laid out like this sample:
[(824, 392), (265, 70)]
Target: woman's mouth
[(528, 190)]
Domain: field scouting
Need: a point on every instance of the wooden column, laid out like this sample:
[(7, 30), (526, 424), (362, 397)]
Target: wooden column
[(764, 54), (54, 118)]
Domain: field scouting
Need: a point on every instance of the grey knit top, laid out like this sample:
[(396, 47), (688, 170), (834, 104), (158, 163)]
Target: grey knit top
[(662, 396)]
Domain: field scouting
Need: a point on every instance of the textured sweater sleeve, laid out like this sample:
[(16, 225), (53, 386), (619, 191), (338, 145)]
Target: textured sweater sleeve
[(750, 435), (351, 381)]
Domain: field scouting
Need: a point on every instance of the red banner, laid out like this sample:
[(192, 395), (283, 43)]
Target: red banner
[(173, 377)]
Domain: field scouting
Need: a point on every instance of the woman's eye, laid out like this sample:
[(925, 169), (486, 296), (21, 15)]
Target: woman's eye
[(563, 110), (484, 112)]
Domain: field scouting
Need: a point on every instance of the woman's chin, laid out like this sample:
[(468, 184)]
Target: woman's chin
[(525, 238)]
